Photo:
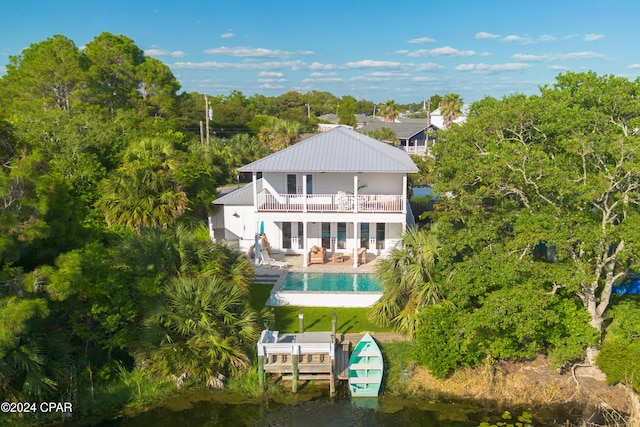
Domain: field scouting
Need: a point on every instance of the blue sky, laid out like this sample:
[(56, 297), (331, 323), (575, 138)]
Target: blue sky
[(376, 50)]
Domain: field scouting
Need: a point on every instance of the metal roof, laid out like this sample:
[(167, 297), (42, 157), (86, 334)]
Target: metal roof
[(337, 150), (402, 130), (241, 196)]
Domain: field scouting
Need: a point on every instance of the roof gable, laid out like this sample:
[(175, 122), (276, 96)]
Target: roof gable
[(337, 150)]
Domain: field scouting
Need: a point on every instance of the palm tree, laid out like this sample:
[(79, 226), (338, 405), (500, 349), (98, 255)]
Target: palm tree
[(201, 328), (409, 285), (450, 108), (144, 191), (390, 111)]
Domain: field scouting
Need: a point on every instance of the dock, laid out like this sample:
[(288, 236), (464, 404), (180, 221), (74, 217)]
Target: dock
[(309, 356)]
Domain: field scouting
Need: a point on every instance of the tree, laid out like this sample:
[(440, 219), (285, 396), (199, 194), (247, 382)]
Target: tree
[(199, 327), (112, 73), (384, 133), (144, 191), (450, 108), (158, 87), (47, 75), (409, 283), (347, 111), (389, 111), (547, 187)]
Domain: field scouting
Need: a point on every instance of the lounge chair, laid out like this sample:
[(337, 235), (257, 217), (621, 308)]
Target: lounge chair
[(266, 260)]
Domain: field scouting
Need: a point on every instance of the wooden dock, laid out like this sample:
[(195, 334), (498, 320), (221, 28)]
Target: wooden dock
[(310, 356)]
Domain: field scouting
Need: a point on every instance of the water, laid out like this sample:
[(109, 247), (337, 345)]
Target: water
[(331, 282), (317, 412)]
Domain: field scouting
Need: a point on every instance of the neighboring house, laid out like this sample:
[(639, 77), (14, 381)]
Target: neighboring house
[(411, 136), (437, 120), (339, 190)]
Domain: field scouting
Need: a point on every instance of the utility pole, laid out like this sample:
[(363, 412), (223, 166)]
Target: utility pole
[(209, 115)]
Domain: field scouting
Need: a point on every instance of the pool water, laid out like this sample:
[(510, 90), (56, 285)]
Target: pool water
[(331, 282)]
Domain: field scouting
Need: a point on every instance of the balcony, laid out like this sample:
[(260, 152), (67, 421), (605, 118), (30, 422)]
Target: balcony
[(340, 202)]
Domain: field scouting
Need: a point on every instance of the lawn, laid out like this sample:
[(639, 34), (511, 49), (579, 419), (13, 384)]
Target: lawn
[(350, 320)]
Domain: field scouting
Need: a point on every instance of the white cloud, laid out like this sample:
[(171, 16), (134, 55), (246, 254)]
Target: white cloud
[(421, 40), (282, 80), (370, 63), (401, 52), (270, 74), (164, 52), (214, 65), (547, 38), (634, 66), (557, 67), (254, 52), (428, 66), (517, 39), (318, 74), (485, 35), (322, 80), (424, 79), (441, 51), (558, 56), (320, 66), (493, 68), (593, 37), (227, 35), (270, 86)]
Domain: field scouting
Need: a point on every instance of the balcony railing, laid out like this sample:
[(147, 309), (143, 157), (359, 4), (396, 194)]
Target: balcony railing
[(329, 202), (415, 149)]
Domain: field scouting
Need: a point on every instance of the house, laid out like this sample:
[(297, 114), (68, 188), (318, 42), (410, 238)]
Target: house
[(412, 136), (339, 190)]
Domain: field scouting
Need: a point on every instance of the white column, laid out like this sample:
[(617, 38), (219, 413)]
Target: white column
[(304, 192), (254, 178), (355, 244), (305, 246), (404, 195), (355, 192)]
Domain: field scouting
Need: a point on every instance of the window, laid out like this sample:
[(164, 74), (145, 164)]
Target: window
[(309, 184), (291, 184), (286, 235), (342, 235), (380, 237), (364, 235), (326, 235)]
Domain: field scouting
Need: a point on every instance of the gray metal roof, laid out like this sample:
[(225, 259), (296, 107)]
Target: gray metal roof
[(241, 196), (337, 150), (402, 130)]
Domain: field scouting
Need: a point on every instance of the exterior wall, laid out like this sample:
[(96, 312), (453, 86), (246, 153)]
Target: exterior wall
[(240, 221), (331, 183)]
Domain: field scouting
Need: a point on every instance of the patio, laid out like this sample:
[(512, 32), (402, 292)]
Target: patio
[(331, 266)]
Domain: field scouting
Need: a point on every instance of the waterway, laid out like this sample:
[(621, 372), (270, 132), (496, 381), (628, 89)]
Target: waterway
[(200, 408)]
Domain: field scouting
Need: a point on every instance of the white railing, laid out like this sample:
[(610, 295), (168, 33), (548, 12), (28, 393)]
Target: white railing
[(329, 202), (416, 149)]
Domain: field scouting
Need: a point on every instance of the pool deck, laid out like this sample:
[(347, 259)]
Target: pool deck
[(276, 276), (329, 267)]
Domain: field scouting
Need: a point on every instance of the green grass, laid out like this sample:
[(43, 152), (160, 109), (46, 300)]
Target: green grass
[(350, 320)]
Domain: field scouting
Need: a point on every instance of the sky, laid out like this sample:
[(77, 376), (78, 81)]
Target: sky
[(406, 50)]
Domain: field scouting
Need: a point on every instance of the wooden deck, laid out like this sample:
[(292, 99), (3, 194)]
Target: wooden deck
[(311, 356)]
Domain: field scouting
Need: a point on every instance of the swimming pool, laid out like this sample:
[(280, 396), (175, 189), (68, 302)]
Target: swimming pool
[(326, 290), (331, 282)]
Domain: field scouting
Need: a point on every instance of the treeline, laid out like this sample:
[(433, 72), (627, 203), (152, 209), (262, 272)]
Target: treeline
[(109, 283), (535, 222)]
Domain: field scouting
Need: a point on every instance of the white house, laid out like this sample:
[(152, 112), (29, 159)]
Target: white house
[(339, 190)]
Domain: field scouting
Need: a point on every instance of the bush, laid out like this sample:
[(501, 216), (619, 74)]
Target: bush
[(621, 363), (440, 343)]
